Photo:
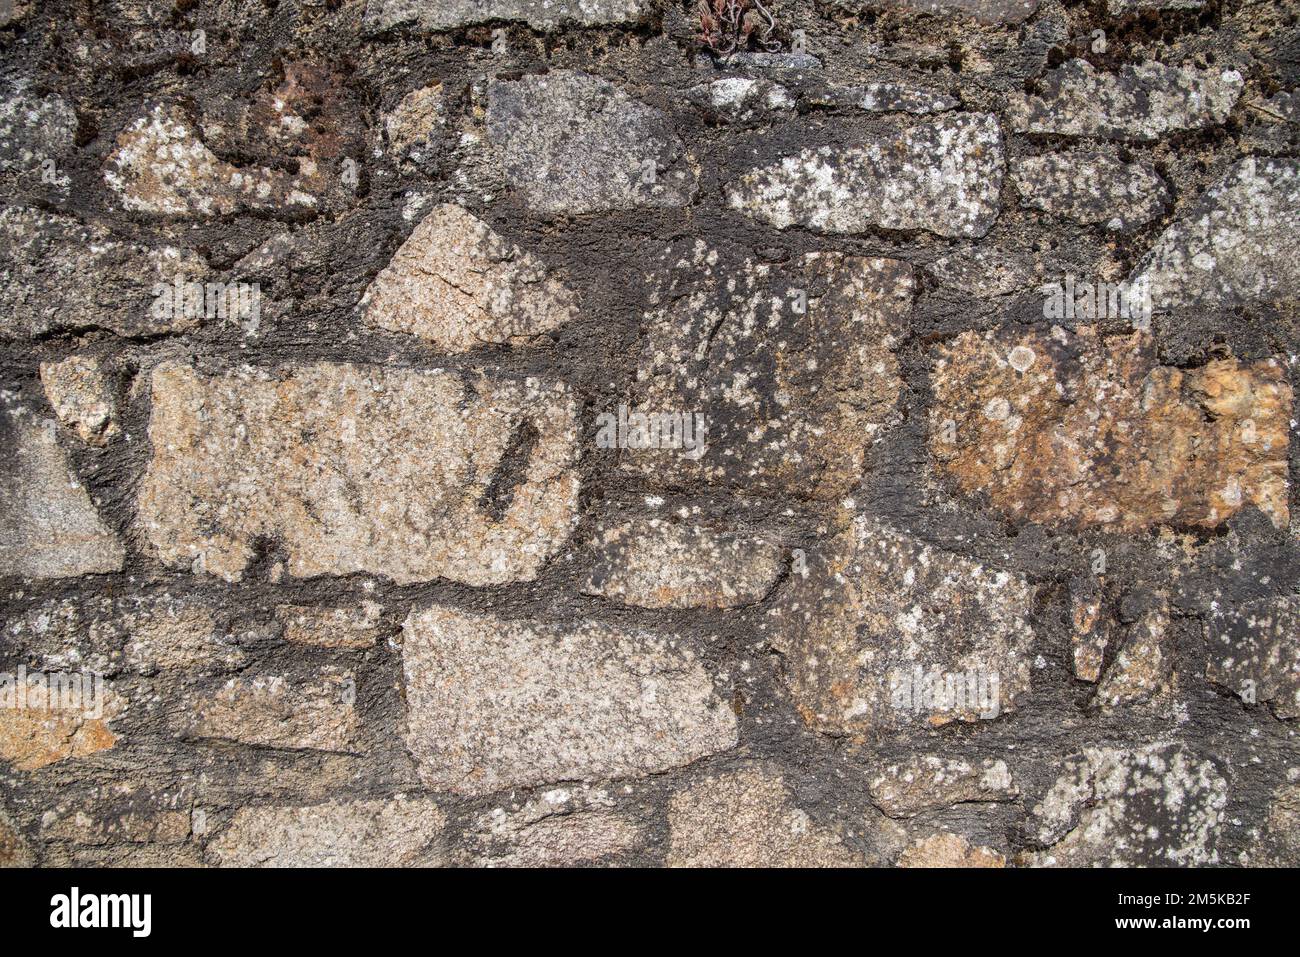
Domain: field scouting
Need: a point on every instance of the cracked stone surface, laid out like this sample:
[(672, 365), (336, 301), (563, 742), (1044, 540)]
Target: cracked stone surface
[(1093, 431), (572, 143), (459, 285), (553, 703), (943, 177), (379, 470), (1140, 102)]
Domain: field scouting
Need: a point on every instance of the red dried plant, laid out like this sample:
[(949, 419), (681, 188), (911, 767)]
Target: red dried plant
[(730, 25)]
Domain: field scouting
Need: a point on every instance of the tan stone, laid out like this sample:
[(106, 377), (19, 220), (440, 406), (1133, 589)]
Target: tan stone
[(416, 119), (493, 704), (1094, 432), (81, 392), (458, 284), (950, 850), (277, 711), (33, 734), (359, 469), (930, 781), (14, 851), (331, 627), (1142, 668), (400, 832), (1091, 629), (748, 819), (88, 826)]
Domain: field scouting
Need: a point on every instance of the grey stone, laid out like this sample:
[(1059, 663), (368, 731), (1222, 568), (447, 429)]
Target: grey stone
[(944, 176), (435, 15), (34, 129), (1092, 188), (572, 143), (495, 704), (741, 99), (881, 97), (1142, 102), (1237, 244), (300, 711), (930, 781), (984, 11), (358, 468), (1254, 652)]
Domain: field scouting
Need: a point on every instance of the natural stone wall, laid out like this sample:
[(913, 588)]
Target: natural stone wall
[(450, 433)]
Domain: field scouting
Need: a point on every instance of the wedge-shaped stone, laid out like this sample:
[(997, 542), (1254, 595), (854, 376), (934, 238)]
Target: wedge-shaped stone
[(1076, 429), (885, 632), (412, 475), (459, 285), (944, 177), (494, 704), (48, 526)]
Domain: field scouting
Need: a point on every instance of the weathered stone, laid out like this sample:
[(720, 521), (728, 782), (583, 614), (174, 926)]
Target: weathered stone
[(886, 632), (748, 819), (740, 99), (109, 635), (48, 526), (790, 370), (1281, 837), (1092, 188), (493, 704), (1142, 102), (332, 627), (984, 272), (119, 821), (930, 781), (34, 130), (1141, 670), (1091, 629), (11, 11), (1284, 105), (458, 284), (1254, 651), (400, 832), (83, 394), (572, 143), (1094, 431), (944, 176), (658, 564), (538, 14), (1117, 7), (1236, 246), (353, 468), (1154, 806), (560, 828), (416, 120), (14, 851), (61, 275), (315, 711), (52, 717), (985, 11), (881, 97), (950, 850)]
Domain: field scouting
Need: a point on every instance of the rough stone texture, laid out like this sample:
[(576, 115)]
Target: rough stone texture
[(943, 176), (34, 129), (1140, 102), (35, 736), (879, 616), (930, 781), (1142, 666), (62, 275), (14, 851), (1090, 633), (985, 11), (1094, 432), (402, 832), (552, 704), (881, 97), (417, 119), (358, 469), (332, 627), (561, 827), (538, 14), (82, 393), (572, 143), (747, 819), (49, 527), (314, 711), (1155, 806), (657, 564), (791, 400), (1254, 652), (459, 285), (1091, 188), (1236, 246), (740, 99), (949, 850)]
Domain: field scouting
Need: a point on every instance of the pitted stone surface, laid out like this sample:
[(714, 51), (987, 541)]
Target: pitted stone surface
[(458, 284), (791, 368), (310, 711), (665, 564), (82, 392), (1254, 652), (1236, 246), (943, 177), (886, 632), (572, 143), (551, 703), (34, 130), (1092, 188), (1141, 102), (1095, 432), (357, 468)]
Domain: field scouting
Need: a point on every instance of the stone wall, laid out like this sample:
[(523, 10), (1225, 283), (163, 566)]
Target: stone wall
[(501, 432)]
